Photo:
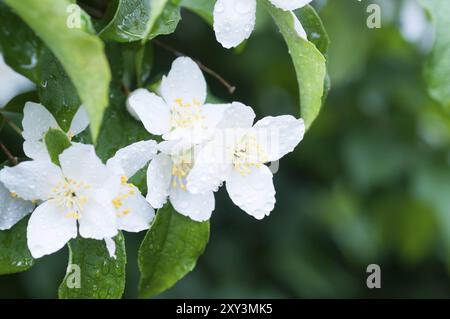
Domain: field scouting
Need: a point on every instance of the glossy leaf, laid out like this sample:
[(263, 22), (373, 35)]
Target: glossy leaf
[(170, 250), (309, 63), (80, 53), (14, 254), (21, 47), (101, 276), (135, 20)]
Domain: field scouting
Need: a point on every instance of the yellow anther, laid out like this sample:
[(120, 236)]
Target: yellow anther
[(123, 180), (117, 202), (13, 194), (126, 211)]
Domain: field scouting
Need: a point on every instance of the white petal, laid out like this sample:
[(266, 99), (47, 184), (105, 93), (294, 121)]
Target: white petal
[(159, 176), (80, 122), (80, 163), (299, 27), (37, 120), (238, 115), (128, 160), (151, 110), (184, 84), (213, 114), (49, 229), (234, 21), (36, 150), (98, 219), (12, 209), (254, 193), (288, 5), (198, 207), (135, 213), (111, 247), (279, 135), (211, 167), (31, 180)]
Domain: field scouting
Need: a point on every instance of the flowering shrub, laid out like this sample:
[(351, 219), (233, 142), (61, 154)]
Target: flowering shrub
[(107, 142)]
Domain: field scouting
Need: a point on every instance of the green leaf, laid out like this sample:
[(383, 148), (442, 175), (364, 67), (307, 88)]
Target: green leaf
[(204, 8), (80, 53), (21, 47), (14, 254), (57, 92), (437, 69), (309, 63), (170, 250), (101, 276), (136, 20), (314, 27), (56, 142)]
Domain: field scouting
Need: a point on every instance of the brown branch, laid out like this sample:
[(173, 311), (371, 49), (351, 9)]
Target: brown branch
[(231, 89), (8, 154), (11, 124)]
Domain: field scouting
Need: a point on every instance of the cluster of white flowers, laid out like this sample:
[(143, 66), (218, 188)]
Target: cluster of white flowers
[(234, 20), (204, 145)]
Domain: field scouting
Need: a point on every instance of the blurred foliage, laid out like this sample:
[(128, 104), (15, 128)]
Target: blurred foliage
[(370, 183)]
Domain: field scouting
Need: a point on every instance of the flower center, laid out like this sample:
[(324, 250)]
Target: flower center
[(182, 165), (186, 115), (247, 154), (67, 194)]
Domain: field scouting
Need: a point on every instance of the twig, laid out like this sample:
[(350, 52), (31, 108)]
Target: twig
[(8, 154), (12, 125), (231, 89)]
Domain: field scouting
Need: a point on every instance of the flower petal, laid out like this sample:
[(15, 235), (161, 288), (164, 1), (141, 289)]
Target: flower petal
[(37, 120), (213, 114), (128, 160), (151, 110), (12, 209), (289, 5), (135, 213), (80, 163), (234, 21), (237, 115), (211, 167), (36, 150), (198, 207), (279, 135), (98, 219), (49, 229), (184, 84), (31, 180), (254, 193), (12, 83), (80, 122), (159, 176)]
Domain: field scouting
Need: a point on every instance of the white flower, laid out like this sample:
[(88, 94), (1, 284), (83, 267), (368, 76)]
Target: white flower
[(12, 83), (237, 156), (12, 208), (181, 112), (72, 194), (37, 120), (133, 212), (234, 20), (166, 178)]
